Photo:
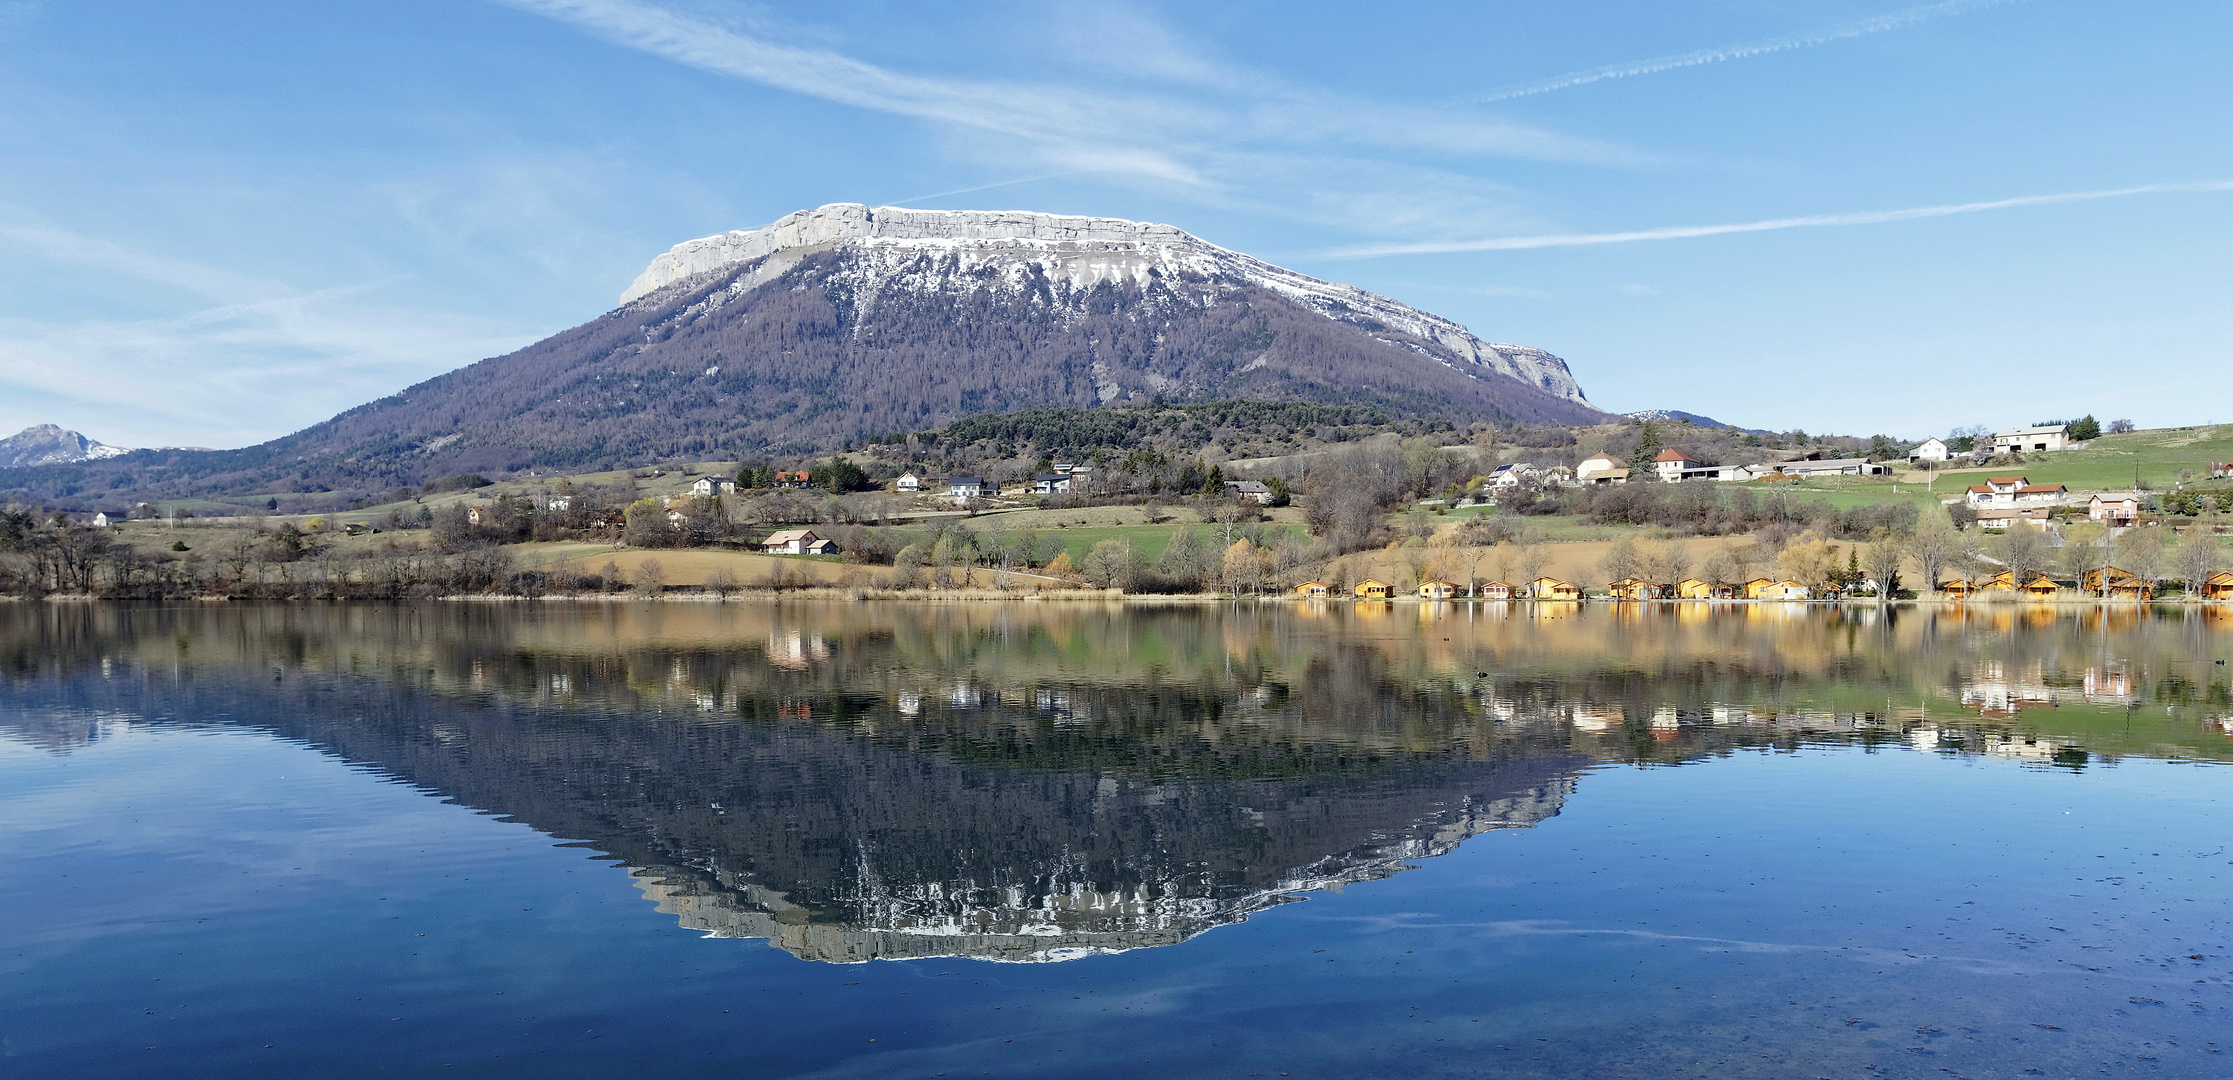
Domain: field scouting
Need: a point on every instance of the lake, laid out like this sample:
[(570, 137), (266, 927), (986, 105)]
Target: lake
[(902, 839)]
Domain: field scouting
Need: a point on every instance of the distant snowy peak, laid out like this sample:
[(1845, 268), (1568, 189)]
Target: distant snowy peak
[(51, 444), (1082, 252)]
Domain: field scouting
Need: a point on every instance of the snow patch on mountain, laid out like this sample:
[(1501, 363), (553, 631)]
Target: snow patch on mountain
[(1022, 249), (52, 444)]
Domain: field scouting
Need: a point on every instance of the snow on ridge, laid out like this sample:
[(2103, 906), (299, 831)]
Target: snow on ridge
[(1081, 251)]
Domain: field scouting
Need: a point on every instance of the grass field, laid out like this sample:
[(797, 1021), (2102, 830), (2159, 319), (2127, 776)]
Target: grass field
[(2111, 462)]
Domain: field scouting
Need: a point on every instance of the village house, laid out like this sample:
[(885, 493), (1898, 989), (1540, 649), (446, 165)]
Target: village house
[(1316, 590), (908, 482), (1631, 588), (1958, 589), (714, 485), (1694, 589), (2032, 439), (1255, 490), (1999, 518), (798, 479), (2114, 508), (1495, 590), (2218, 586), (961, 489), (105, 518), (1550, 588), (1508, 477), (1929, 450), (1437, 590), (797, 542), (2041, 494), (559, 504), (1050, 483), (1672, 464), (1372, 589), (1601, 469), (476, 515), (2221, 470)]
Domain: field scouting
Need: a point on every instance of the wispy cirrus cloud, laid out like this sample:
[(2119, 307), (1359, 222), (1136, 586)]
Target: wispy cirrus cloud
[(1898, 20), (1685, 232), (217, 374), (1096, 126)]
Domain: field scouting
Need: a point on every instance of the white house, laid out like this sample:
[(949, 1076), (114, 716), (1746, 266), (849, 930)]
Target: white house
[(1671, 465), (2032, 439), (709, 485), (961, 489), (1933, 450), (1049, 483), (1599, 468), (1507, 477), (2041, 494), (559, 504), (1250, 489), (797, 542), (106, 518), (908, 482)]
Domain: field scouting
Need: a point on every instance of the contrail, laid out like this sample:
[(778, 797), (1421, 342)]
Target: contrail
[(1683, 232), (1895, 21), (986, 187)]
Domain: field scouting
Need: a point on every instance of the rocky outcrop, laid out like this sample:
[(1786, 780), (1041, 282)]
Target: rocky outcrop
[(51, 444)]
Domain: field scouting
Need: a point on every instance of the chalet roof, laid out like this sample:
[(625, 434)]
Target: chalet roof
[(2115, 496), (1372, 581), (1248, 487), (1438, 581), (1608, 458), (1673, 455), (1980, 489), (1314, 584), (1551, 581), (1049, 476), (969, 481), (788, 536), (2222, 577)]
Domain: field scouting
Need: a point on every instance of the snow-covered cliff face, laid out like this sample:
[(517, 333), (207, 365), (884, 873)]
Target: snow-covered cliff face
[(50, 444), (1016, 246)]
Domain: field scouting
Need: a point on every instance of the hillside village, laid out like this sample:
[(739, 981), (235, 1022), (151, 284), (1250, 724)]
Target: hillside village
[(1365, 509)]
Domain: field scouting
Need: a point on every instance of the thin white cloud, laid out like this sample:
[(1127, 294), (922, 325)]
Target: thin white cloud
[(1084, 128), (1898, 20), (263, 353), (1684, 232)]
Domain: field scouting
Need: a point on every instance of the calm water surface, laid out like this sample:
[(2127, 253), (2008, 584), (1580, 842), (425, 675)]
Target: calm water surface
[(1082, 840)]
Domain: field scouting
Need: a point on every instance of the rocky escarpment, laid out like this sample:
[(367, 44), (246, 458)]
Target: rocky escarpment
[(1021, 248), (51, 444)]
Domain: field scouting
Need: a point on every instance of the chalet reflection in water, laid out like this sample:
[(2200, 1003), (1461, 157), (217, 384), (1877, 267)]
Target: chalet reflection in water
[(1037, 782)]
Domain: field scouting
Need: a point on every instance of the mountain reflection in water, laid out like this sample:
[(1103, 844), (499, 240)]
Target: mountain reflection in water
[(1038, 781)]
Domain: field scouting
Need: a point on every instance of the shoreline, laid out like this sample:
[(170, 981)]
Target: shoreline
[(856, 595)]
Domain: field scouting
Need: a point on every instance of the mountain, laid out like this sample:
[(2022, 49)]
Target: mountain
[(1691, 418), (50, 444), (836, 324)]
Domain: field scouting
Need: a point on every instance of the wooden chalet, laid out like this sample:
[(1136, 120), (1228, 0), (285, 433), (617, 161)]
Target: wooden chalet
[(1316, 590), (2218, 586), (2035, 587), (1694, 589), (1757, 586), (1550, 588), (1496, 590), (1630, 588), (2114, 584), (1437, 590), (1372, 589), (1784, 590)]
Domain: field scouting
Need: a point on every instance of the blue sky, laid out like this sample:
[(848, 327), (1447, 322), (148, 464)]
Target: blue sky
[(220, 222)]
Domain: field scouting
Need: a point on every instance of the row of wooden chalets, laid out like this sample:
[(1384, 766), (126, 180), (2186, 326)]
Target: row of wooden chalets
[(2108, 583)]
